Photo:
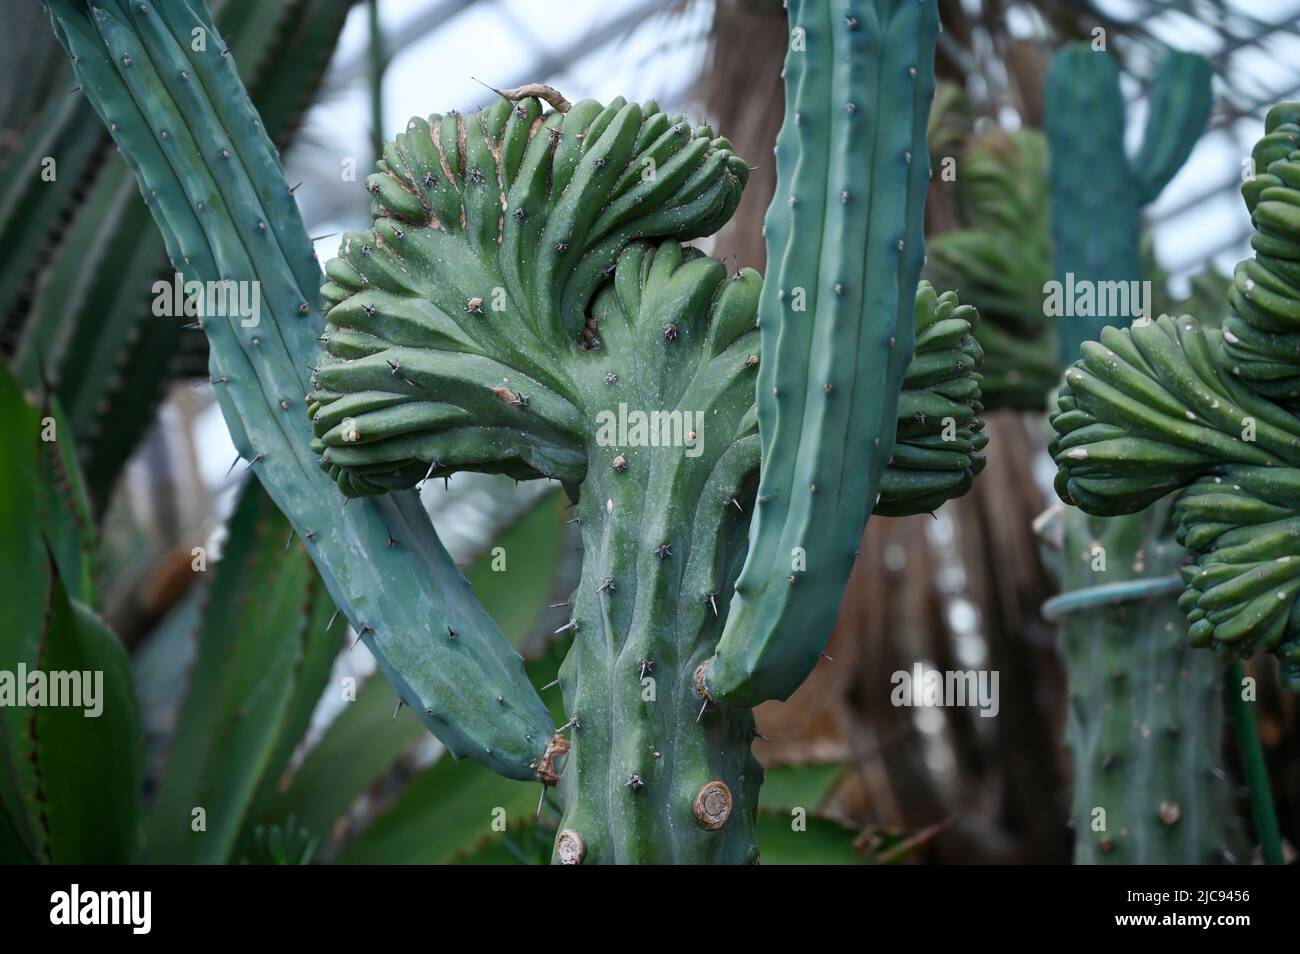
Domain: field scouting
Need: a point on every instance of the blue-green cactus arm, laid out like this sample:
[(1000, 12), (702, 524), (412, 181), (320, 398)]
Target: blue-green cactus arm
[(1178, 106), (845, 251), (1097, 191), (213, 183)]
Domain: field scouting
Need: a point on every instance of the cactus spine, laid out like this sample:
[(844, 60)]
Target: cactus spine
[(845, 251)]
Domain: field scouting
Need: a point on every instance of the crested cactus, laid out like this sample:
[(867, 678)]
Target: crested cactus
[(999, 260), (939, 434), (523, 304), (1170, 405)]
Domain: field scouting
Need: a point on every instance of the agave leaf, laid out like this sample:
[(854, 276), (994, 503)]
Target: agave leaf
[(90, 759), (241, 687)]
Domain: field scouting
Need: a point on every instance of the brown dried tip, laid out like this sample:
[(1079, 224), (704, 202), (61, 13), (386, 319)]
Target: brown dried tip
[(545, 766), (712, 805), (569, 847), (547, 94), (700, 689)]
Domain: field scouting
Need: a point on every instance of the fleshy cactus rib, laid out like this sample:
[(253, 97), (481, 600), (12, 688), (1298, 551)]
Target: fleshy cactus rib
[(212, 179), (845, 251)]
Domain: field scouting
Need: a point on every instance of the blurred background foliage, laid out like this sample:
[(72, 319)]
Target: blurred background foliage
[(235, 687)]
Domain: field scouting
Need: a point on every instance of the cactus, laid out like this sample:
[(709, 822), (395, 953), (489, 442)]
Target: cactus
[(999, 261), (1097, 191), (523, 304), (1143, 720), (845, 252), (1174, 405), (939, 434), (1145, 788), (186, 127)]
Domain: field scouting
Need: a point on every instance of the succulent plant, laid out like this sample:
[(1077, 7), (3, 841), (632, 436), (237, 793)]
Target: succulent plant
[(1145, 789), (524, 304), (1170, 405)]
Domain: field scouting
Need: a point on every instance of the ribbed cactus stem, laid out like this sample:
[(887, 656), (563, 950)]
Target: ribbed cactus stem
[(643, 743), (1145, 718)]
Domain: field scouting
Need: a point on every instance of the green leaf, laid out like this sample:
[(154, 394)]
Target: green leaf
[(803, 786), (241, 686), (65, 514), (356, 750), (25, 581), (515, 589), (450, 809), (822, 842), (321, 641), (90, 758), (364, 741)]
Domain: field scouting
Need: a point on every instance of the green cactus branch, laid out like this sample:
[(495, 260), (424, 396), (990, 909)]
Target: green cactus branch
[(845, 248), (212, 180), (1170, 405), (1097, 192)]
